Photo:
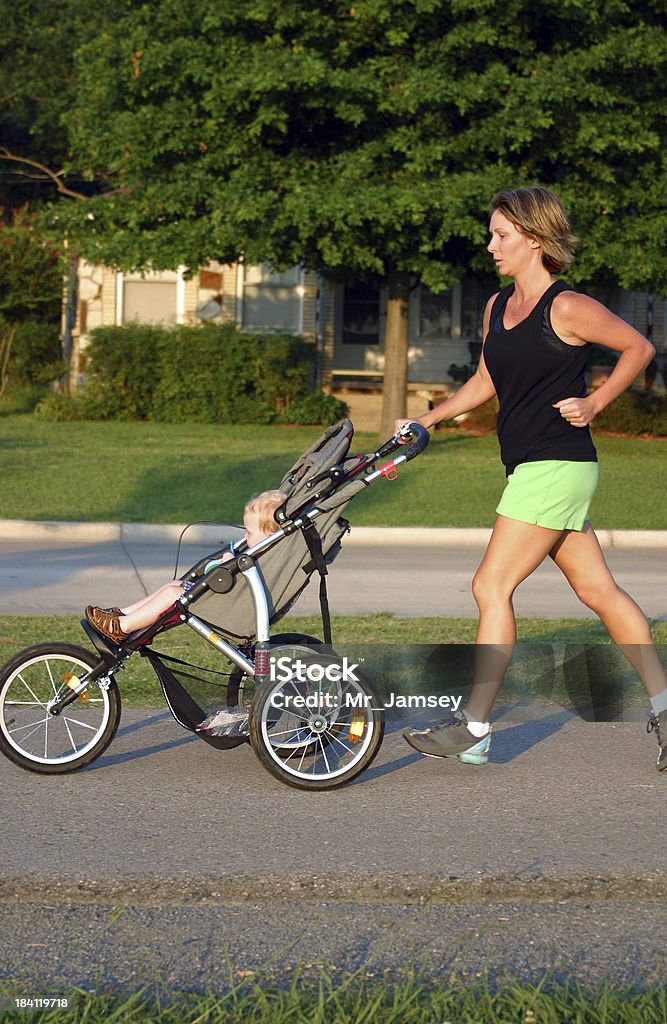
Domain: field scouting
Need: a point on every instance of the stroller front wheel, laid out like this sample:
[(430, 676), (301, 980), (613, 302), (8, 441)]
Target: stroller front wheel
[(36, 740), (317, 723)]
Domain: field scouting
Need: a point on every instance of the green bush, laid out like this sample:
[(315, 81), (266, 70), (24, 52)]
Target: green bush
[(121, 368), (217, 374), (36, 356), (206, 374), (20, 399), (634, 413), (61, 407), (317, 408)]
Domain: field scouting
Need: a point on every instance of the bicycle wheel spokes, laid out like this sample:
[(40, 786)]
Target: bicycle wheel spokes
[(35, 698), (334, 733), (29, 733)]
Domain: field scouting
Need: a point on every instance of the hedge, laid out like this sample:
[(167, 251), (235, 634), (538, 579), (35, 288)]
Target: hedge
[(635, 413), (215, 373), (212, 373), (36, 356)]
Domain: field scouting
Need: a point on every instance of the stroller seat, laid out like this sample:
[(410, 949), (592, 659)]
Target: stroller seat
[(299, 546)]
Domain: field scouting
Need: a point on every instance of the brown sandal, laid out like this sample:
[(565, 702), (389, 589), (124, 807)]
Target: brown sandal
[(106, 623)]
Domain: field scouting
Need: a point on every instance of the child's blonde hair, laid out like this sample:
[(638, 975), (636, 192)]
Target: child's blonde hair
[(264, 506)]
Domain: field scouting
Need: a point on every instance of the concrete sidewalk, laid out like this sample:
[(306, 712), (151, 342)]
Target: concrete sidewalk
[(214, 534)]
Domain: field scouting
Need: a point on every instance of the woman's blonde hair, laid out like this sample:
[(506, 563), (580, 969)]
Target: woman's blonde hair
[(539, 214), (264, 506)]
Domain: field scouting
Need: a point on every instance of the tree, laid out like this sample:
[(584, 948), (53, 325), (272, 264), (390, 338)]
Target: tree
[(37, 86), (30, 279), (366, 138)]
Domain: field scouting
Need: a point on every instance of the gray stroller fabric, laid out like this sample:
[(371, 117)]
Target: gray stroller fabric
[(287, 566)]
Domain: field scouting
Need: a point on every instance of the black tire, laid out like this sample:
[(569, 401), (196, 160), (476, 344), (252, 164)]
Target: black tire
[(241, 687), (315, 733), (54, 744)]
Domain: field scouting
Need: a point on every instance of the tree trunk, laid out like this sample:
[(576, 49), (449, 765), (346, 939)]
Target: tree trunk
[(395, 391), (7, 332), (70, 343)]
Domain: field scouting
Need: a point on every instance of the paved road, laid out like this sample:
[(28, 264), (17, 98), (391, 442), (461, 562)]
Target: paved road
[(166, 855), (43, 577)]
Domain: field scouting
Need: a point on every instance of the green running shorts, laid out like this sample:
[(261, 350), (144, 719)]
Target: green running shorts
[(551, 493)]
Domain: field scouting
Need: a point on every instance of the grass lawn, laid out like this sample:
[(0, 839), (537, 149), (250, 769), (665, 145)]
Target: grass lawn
[(402, 654), (166, 473), (329, 995)]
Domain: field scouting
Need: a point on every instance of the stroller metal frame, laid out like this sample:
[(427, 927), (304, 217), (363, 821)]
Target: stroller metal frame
[(332, 728)]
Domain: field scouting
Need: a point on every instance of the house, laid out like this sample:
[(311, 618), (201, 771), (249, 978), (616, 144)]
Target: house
[(346, 322)]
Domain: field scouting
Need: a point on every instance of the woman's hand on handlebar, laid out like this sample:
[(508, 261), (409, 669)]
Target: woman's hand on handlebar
[(406, 438)]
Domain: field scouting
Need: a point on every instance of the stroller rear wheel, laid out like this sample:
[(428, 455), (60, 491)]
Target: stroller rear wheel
[(317, 723), (36, 740), (241, 687)]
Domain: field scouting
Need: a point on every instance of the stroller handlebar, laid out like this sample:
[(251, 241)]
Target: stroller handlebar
[(421, 436)]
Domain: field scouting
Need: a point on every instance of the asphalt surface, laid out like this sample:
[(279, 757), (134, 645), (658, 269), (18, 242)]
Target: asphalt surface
[(169, 862), (374, 574)]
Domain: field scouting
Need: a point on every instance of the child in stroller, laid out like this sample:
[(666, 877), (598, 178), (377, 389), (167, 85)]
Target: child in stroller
[(117, 624)]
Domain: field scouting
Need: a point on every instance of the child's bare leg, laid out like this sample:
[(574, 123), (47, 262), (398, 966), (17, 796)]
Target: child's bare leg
[(152, 607), (166, 588)]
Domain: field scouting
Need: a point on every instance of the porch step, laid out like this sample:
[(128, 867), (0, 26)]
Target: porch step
[(366, 409)]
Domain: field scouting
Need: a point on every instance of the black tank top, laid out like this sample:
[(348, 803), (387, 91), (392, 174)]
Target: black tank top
[(531, 368)]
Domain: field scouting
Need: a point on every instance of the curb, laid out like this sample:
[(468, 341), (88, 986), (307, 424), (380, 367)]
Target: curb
[(119, 533), (214, 534)]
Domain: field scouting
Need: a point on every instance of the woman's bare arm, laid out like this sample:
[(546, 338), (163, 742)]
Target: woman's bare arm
[(578, 319), (475, 392)]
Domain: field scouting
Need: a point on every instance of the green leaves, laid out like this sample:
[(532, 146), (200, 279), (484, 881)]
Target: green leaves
[(31, 269), (364, 136)]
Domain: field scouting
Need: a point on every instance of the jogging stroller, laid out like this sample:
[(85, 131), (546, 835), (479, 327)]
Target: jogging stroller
[(314, 719)]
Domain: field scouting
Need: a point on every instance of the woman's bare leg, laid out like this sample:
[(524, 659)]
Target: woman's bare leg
[(579, 557), (514, 552)]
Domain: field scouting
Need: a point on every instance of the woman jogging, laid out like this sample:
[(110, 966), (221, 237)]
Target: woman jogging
[(536, 337)]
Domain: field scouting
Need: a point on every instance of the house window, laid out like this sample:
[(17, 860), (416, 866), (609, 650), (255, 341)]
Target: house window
[(361, 315), (272, 301), (473, 300), (435, 315), (151, 298)]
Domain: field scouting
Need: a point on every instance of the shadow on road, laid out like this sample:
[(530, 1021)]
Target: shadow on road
[(512, 741), (508, 743), (110, 760)]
